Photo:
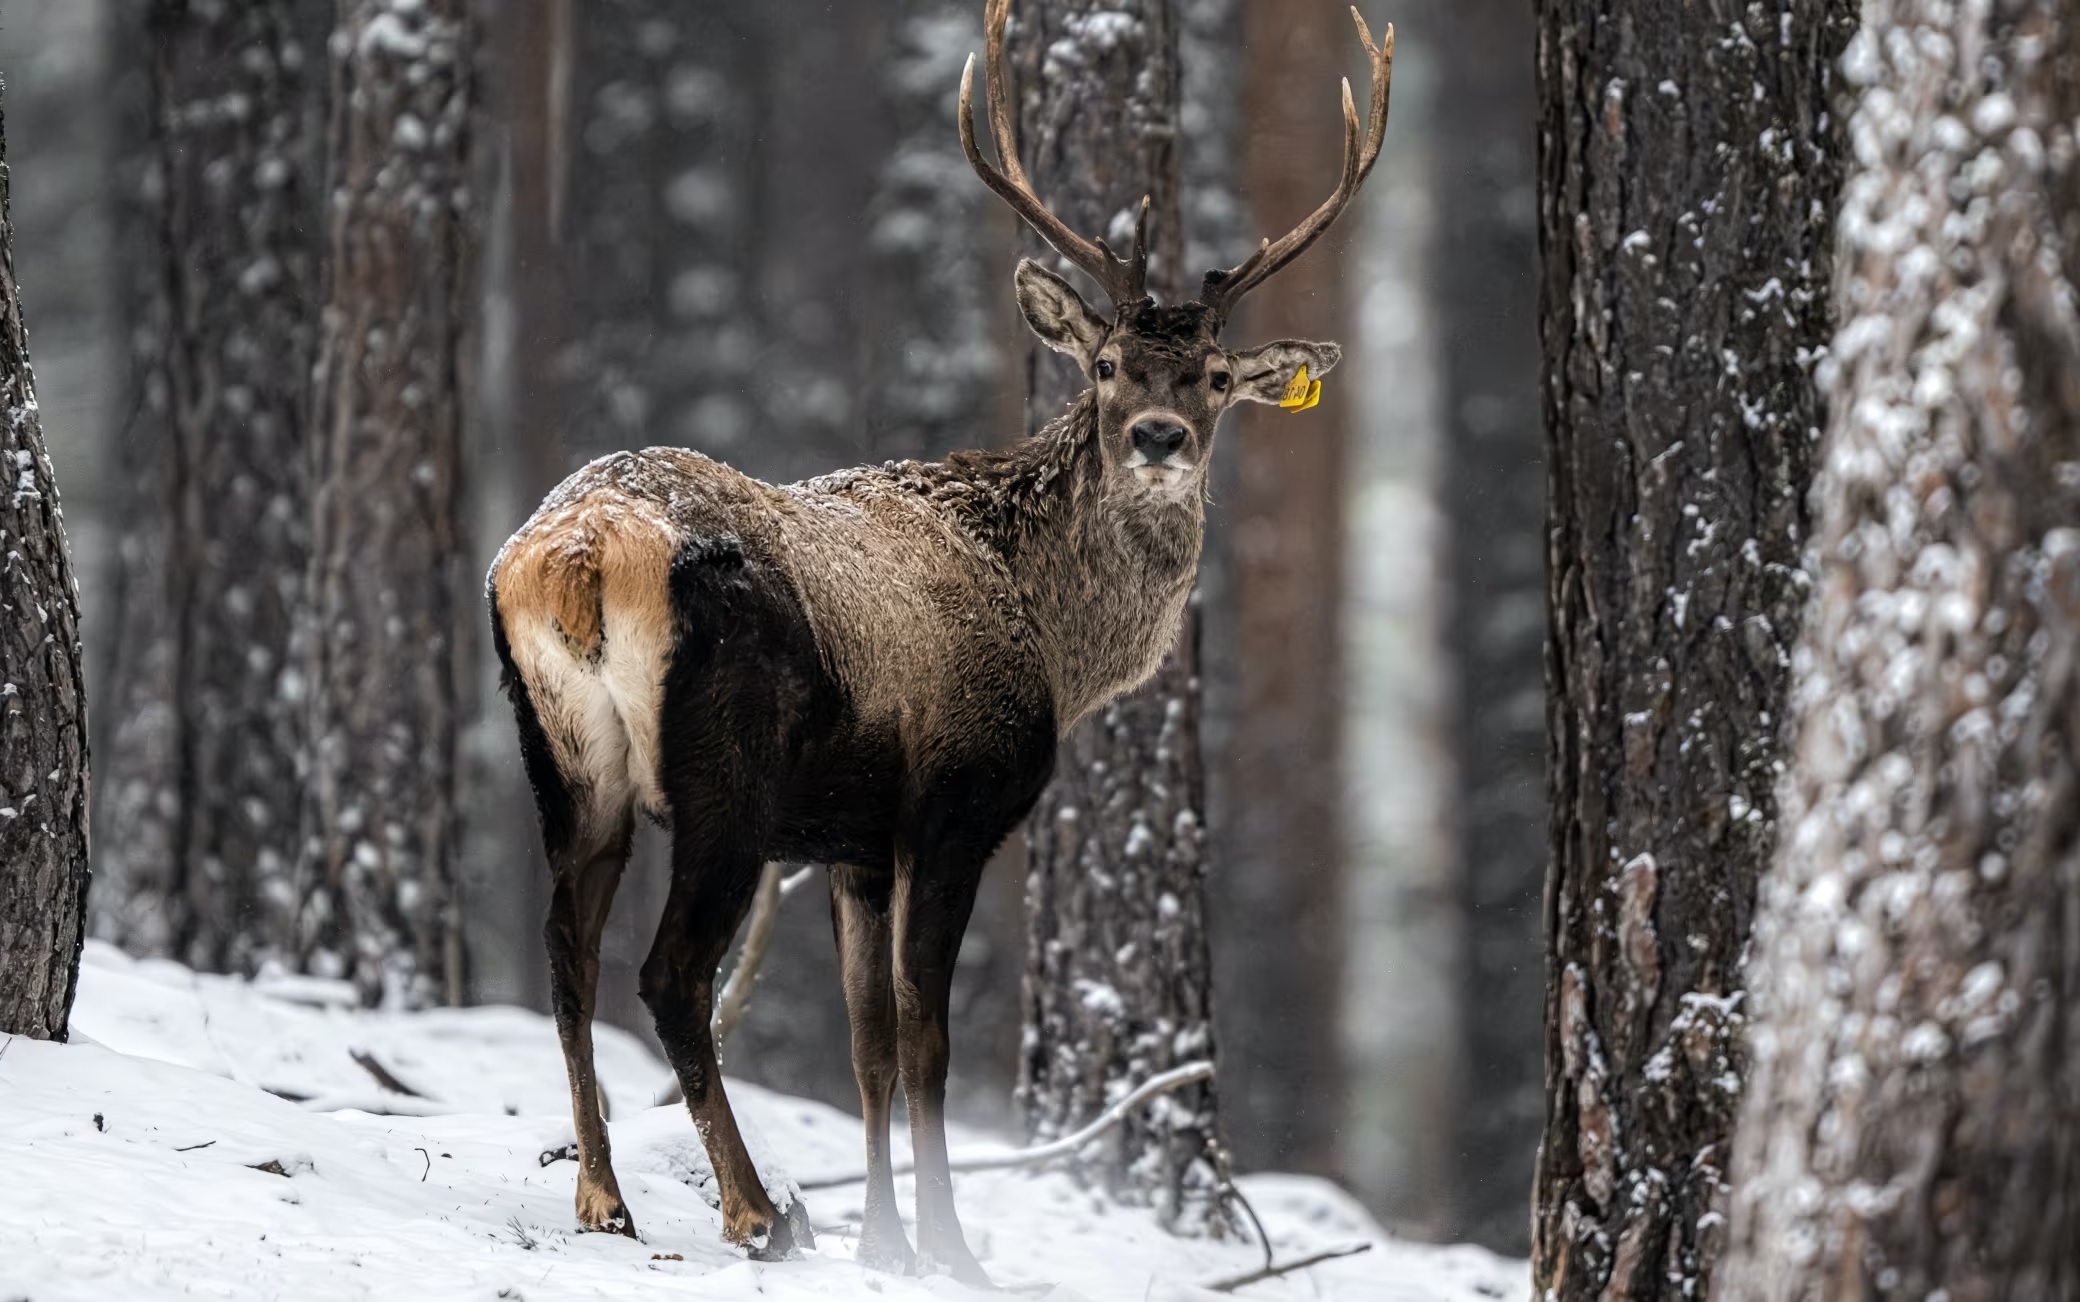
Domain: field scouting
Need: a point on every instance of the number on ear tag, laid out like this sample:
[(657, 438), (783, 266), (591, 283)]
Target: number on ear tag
[(1295, 396), (1314, 395)]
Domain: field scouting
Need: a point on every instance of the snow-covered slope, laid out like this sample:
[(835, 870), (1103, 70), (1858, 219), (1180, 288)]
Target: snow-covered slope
[(149, 1159)]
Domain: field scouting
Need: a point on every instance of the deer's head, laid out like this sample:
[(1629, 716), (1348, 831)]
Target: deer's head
[(1161, 374)]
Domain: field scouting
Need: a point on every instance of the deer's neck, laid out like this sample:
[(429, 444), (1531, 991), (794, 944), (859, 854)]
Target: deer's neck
[(1102, 571)]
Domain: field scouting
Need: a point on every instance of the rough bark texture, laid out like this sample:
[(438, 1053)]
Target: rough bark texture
[(1688, 181), (1280, 889), (43, 708), (199, 819), (1483, 278), (377, 877), (1911, 1129), (1118, 984)]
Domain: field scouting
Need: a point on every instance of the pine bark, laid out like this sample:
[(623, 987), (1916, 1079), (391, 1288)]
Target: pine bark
[(1688, 180), (1483, 278), (1118, 982), (378, 904), (199, 821), (43, 709), (1911, 1128)]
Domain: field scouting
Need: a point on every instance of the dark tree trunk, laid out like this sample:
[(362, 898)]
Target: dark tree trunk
[(1280, 891), (1688, 179), (378, 901), (199, 821), (1483, 273), (43, 707), (1911, 1127), (1118, 985)]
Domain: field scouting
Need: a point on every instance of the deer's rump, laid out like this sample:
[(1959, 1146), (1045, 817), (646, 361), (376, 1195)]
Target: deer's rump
[(671, 665)]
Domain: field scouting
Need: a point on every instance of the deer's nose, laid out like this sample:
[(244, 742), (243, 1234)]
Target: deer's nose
[(1157, 439)]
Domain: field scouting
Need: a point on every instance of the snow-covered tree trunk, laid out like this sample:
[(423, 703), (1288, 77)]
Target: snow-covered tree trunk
[(1688, 177), (1118, 985), (43, 706), (1279, 893), (199, 817), (377, 879), (1483, 278), (1911, 1129)]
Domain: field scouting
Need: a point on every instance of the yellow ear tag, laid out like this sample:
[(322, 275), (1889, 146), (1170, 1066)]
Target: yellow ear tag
[(1295, 396), (1314, 395)]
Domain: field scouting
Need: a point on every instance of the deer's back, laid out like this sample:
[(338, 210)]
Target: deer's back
[(843, 639)]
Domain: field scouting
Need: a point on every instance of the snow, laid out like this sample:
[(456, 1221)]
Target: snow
[(149, 1159)]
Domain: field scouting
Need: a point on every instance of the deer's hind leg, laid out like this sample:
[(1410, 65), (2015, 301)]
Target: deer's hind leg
[(581, 893), (710, 894)]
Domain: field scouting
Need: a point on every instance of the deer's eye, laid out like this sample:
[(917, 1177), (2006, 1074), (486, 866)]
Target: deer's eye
[(1219, 381), (1104, 369)]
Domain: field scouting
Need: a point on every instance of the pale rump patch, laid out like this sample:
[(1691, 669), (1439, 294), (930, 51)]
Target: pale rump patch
[(582, 592)]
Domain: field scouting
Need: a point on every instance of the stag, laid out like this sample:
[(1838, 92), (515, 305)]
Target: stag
[(870, 670)]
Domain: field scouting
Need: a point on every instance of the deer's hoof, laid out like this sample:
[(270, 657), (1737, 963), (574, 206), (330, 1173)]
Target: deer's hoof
[(884, 1248), (601, 1211)]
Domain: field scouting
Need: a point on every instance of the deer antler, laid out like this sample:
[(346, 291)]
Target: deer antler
[(1123, 280), (1223, 289)]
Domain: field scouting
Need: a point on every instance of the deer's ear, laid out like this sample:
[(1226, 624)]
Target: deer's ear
[(1262, 374), (1058, 314)]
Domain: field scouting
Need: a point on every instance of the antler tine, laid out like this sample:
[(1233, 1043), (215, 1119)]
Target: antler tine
[(1123, 281), (1223, 289)]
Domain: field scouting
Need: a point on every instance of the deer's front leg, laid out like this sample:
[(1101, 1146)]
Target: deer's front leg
[(932, 902)]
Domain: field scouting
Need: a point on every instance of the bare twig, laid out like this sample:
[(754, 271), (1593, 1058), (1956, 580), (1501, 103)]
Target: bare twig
[(192, 1147), (758, 937), (1273, 1272), (1161, 1083), (383, 1077), (1234, 1191), (429, 1164)]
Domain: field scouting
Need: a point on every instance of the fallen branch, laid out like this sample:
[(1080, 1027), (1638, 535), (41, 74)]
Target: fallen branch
[(378, 1105), (758, 937), (383, 1076), (1286, 1268), (1161, 1083)]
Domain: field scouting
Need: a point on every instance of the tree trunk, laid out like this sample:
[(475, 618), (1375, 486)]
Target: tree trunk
[(1688, 178), (378, 902), (43, 709), (199, 824), (1280, 895), (1117, 985), (1483, 274), (1911, 1128)]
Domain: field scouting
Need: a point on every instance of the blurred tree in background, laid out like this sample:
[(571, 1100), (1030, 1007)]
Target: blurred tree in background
[(1278, 850), (1484, 281), (375, 885), (203, 742)]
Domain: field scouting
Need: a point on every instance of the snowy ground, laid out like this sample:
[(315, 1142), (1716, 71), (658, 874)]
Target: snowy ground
[(141, 1162)]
